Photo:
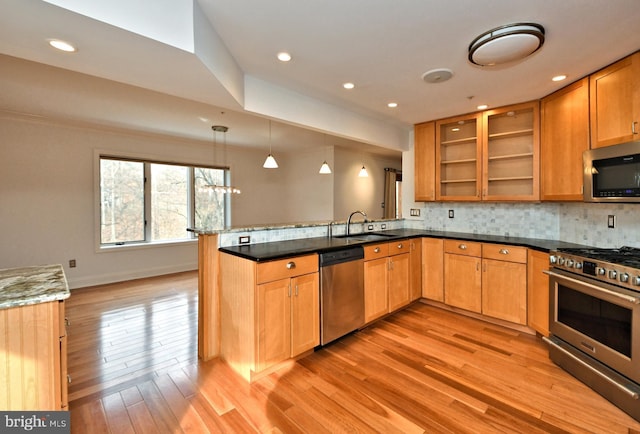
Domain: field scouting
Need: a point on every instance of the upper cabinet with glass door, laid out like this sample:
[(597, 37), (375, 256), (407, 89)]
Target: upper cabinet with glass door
[(511, 153), (458, 158)]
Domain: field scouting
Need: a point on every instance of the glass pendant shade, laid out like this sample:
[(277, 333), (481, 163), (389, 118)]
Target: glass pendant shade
[(363, 173), (270, 162), (325, 169)]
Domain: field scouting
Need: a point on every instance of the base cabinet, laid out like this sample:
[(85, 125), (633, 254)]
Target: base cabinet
[(538, 286), (269, 312), (504, 290), (33, 356), (463, 281), (433, 269)]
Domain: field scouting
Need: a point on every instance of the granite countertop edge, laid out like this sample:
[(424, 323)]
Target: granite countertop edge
[(26, 286), (282, 249)]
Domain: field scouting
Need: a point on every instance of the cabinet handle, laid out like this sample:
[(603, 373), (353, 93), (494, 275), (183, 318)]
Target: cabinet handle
[(504, 252), (291, 265), (376, 250), (633, 127), (390, 264), (296, 290), (462, 246), (68, 379), (400, 245)]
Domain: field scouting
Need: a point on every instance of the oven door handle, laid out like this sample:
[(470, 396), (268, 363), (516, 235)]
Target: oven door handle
[(622, 387), (624, 297)]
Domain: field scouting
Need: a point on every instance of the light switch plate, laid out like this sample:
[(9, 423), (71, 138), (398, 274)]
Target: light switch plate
[(611, 221)]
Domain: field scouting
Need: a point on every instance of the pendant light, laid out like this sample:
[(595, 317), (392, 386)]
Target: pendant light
[(363, 173), (325, 169), (227, 189), (270, 162)]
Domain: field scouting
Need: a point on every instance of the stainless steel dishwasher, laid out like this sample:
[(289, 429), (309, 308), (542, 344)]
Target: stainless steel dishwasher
[(341, 292)]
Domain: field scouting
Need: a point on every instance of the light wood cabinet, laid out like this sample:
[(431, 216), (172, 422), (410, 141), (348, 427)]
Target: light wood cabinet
[(615, 103), (424, 159), (415, 268), (564, 137), (492, 155), (433, 269), (511, 153), (33, 354), (504, 282), (386, 278), (538, 296), (463, 276), (269, 311), (458, 158)]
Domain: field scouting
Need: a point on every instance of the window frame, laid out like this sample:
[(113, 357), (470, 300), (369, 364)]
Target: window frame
[(190, 236)]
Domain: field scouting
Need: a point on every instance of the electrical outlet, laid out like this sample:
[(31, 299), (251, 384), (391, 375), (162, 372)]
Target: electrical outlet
[(450, 213), (611, 221), (383, 226), (370, 227), (244, 239), (414, 212), (72, 263)]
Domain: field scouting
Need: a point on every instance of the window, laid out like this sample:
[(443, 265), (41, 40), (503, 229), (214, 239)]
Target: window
[(142, 201)]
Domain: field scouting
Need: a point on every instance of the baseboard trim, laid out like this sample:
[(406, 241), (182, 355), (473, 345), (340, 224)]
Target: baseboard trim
[(102, 279)]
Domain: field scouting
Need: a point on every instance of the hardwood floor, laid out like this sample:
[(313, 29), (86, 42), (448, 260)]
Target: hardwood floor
[(132, 358)]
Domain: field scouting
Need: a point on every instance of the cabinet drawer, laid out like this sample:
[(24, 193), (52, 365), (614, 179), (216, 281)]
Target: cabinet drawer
[(398, 247), (468, 248), (285, 268), (375, 251), (503, 252)]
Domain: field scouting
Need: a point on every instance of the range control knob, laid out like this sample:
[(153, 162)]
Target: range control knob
[(578, 265), (613, 274), (553, 259), (624, 277), (560, 260), (569, 263), (636, 281), (600, 271)]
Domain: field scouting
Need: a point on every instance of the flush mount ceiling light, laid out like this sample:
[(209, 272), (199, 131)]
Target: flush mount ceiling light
[(437, 75), (506, 44)]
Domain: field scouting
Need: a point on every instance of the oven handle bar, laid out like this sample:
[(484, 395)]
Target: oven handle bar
[(622, 387), (624, 297)]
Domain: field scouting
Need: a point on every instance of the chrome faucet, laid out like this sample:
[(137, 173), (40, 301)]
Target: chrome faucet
[(351, 215)]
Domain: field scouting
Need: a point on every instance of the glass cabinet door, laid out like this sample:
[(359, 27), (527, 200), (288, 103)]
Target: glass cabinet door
[(458, 157)]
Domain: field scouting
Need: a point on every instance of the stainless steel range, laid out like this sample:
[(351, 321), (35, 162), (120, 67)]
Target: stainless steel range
[(595, 320)]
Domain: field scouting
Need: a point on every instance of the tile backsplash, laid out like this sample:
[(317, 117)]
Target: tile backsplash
[(572, 222)]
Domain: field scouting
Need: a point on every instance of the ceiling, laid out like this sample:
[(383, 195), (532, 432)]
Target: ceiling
[(173, 66)]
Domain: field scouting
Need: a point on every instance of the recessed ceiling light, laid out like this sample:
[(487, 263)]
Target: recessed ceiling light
[(483, 107), (62, 45), (392, 105), (559, 78), (284, 56), (348, 85)]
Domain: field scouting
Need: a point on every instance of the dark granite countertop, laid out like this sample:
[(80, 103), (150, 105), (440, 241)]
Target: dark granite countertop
[(283, 249)]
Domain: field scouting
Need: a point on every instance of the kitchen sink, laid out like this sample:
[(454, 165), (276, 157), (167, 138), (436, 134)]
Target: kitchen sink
[(367, 236)]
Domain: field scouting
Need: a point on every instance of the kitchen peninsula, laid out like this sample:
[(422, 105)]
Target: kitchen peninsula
[(249, 256), (33, 341)]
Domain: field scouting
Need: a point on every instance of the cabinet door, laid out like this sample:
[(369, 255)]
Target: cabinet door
[(376, 276), (62, 332), (273, 323), (504, 290), (463, 285), (415, 271), (538, 296), (305, 313), (399, 283), (433, 269), (424, 159), (615, 103), (511, 153), (564, 137), (458, 158)]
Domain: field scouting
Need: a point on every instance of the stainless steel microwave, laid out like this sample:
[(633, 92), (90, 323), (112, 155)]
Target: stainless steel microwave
[(612, 173)]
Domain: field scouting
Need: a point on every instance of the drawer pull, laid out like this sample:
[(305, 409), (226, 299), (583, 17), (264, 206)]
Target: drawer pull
[(462, 246), (291, 265), (400, 246), (376, 250), (504, 252)]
